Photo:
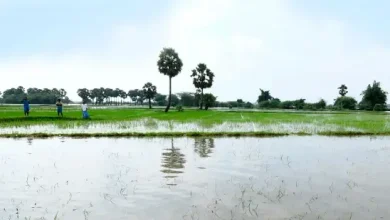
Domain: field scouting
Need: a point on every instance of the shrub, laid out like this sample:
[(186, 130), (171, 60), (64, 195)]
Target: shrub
[(345, 102), (380, 107), (179, 108)]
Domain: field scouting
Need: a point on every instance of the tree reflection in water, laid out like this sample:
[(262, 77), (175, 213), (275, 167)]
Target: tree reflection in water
[(172, 161), (204, 146)]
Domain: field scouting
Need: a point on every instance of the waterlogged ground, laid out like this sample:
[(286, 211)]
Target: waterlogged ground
[(227, 178), (158, 126), (124, 121)]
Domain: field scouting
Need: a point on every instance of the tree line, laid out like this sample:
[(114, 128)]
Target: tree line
[(373, 98), (35, 95)]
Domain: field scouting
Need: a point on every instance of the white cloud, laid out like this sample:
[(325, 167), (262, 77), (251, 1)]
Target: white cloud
[(251, 45)]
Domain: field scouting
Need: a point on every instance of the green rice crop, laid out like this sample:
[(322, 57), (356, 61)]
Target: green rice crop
[(195, 122)]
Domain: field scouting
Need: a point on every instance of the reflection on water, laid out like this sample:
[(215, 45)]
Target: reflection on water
[(204, 146), (247, 178), (172, 161)]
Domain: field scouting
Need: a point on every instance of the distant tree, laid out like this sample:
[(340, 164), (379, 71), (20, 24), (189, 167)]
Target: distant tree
[(202, 78), (133, 94), (320, 104), (343, 90), (209, 100), (264, 96), (373, 95), (83, 94), (93, 95), (248, 105), (109, 94), (170, 65), (150, 92), (160, 99), (175, 100), (62, 93), (123, 95), (345, 102), (271, 103), (299, 103), (100, 95), (240, 102), (187, 99)]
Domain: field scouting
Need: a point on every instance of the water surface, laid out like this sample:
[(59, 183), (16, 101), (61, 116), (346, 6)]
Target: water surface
[(202, 178)]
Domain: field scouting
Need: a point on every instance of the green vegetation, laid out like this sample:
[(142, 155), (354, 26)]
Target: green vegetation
[(194, 122)]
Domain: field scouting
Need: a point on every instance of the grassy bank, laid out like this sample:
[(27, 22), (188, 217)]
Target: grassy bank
[(144, 122)]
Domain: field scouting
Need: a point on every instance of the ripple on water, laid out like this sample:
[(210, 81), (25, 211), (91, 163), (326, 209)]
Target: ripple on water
[(246, 178)]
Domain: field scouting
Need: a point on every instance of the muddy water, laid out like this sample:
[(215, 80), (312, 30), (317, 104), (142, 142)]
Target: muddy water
[(248, 178)]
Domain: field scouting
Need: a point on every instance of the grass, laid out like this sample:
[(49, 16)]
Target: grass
[(144, 122)]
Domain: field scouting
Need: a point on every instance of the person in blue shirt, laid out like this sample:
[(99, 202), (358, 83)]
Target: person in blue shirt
[(59, 108), (26, 106)]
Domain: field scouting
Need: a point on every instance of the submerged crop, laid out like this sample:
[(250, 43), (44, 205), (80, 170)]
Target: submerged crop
[(152, 126)]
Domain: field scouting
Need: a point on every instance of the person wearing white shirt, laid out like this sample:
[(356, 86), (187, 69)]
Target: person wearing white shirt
[(84, 108)]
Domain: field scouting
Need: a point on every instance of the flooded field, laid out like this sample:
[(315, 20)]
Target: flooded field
[(203, 178)]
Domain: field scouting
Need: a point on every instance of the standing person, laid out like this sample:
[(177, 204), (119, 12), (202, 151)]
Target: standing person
[(84, 108), (59, 108), (26, 106)]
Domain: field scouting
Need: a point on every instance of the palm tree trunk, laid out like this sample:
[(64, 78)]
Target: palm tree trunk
[(150, 104), (201, 100), (170, 95)]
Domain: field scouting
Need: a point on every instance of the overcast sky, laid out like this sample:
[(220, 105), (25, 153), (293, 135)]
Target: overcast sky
[(294, 48)]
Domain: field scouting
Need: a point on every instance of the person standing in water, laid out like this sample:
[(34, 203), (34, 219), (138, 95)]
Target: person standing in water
[(26, 106), (84, 108), (59, 108)]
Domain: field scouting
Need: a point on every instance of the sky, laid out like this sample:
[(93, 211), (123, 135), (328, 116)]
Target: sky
[(294, 48)]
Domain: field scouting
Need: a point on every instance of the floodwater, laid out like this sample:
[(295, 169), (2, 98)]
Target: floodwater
[(203, 178)]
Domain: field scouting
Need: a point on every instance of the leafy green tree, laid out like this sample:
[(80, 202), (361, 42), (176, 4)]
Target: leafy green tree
[(373, 95), (299, 103), (345, 102), (93, 94), (203, 78), (320, 104), (209, 100), (271, 103), (170, 65), (160, 99), (240, 102), (248, 105), (109, 94), (133, 94), (123, 95), (83, 94), (264, 96), (62, 93), (150, 92), (343, 90), (175, 100), (187, 99)]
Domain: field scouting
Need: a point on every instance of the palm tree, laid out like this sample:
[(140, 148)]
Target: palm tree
[(343, 90), (150, 92), (202, 78), (170, 65)]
